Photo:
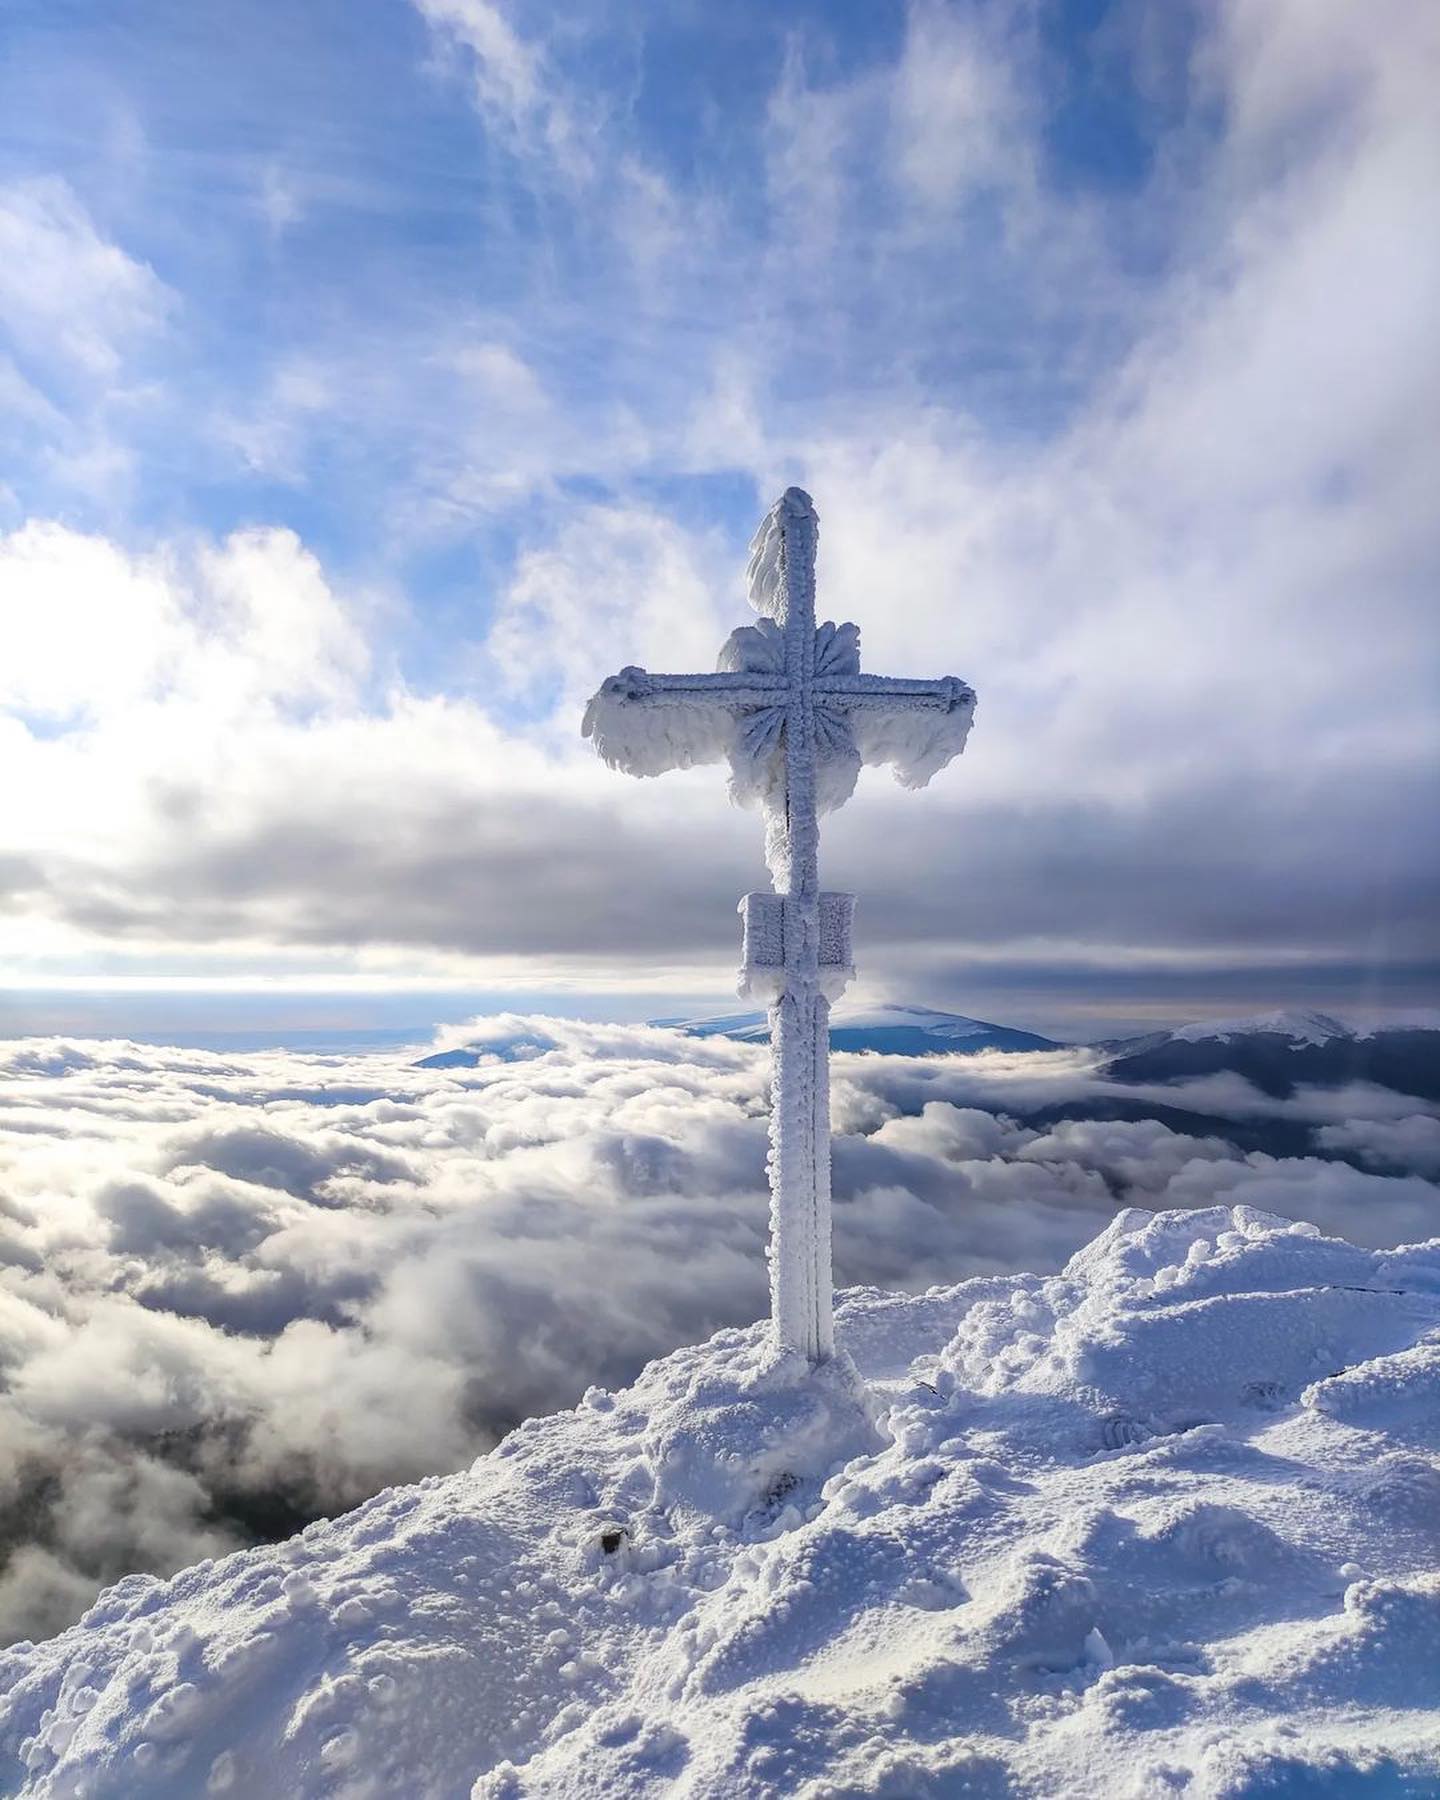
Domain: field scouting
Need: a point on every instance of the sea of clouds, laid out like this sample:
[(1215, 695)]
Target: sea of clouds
[(238, 1291)]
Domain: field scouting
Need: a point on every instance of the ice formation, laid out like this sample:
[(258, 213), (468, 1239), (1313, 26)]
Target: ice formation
[(791, 711), (1167, 1522)]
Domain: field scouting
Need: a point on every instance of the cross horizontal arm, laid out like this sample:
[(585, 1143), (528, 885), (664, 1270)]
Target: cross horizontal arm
[(894, 692), (728, 688)]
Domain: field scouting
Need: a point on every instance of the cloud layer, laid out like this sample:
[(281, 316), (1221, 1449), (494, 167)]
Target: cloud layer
[(1110, 361), (235, 1292)]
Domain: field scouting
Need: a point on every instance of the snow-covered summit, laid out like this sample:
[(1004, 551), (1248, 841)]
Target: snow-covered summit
[(1164, 1522), (1299, 1026)]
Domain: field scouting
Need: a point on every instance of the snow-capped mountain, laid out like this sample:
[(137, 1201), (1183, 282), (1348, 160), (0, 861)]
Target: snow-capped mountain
[(893, 1030), (496, 1044), (1298, 1026), (1280, 1051), (1033, 1535)]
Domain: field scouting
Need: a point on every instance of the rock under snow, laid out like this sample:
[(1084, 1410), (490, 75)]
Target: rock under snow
[(1167, 1522)]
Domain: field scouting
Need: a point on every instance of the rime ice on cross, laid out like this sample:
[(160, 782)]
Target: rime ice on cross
[(792, 713)]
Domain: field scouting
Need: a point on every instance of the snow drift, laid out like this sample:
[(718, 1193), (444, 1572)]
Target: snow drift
[(1166, 1521)]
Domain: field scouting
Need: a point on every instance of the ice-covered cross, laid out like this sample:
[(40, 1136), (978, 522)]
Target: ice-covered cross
[(791, 712)]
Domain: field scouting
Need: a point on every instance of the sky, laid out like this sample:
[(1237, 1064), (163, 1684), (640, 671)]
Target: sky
[(376, 380)]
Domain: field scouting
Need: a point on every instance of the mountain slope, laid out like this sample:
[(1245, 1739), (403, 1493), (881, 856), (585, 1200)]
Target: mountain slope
[(1172, 1512), (891, 1030), (1279, 1052)]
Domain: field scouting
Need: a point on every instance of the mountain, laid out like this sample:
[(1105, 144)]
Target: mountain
[(1163, 1519), (893, 1030), (1278, 1052), (502, 1039)]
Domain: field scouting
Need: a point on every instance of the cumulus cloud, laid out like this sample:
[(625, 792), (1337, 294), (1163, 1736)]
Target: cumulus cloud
[(238, 1291)]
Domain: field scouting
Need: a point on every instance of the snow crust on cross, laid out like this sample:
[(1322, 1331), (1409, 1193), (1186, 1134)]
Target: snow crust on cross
[(791, 712)]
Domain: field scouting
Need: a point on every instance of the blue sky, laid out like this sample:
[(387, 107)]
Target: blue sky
[(317, 194), (376, 379)]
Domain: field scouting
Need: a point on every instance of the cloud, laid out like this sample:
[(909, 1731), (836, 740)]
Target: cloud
[(1411, 1142), (236, 1291), (958, 109), (1193, 590), (70, 299), (515, 87), (81, 324)]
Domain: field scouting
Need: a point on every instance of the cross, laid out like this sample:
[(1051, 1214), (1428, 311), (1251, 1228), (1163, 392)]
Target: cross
[(790, 710)]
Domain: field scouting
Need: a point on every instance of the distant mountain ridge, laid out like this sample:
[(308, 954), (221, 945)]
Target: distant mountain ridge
[(1275, 1052), (887, 1030), (1278, 1052)]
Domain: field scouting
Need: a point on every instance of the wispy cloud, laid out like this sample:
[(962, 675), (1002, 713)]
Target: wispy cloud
[(71, 299), (515, 87)]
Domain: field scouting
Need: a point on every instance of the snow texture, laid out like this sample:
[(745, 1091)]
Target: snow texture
[(653, 739), (1167, 1522)]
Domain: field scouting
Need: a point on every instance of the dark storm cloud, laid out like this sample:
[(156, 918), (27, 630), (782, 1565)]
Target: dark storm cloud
[(1335, 876)]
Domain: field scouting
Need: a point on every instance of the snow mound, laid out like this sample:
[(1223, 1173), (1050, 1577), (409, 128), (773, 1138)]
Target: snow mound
[(1168, 1521)]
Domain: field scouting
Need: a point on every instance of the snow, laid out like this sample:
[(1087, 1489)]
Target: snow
[(916, 744), (923, 1018), (653, 739), (1300, 1027), (1407, 1018), (1167, 1522)]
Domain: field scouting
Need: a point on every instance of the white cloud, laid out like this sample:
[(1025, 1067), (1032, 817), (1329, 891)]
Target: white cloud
[(623, 582), (1196, 603), (958, 109), (515, 88), (235, 1288), (95, 631), (504, 379), (1411, 1141), (69, 296), (86, 628)]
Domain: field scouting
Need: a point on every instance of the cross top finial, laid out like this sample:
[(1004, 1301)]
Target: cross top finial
[(791, 712), (781, 575)]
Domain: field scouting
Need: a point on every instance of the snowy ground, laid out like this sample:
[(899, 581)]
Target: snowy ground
[(1168, 1522)]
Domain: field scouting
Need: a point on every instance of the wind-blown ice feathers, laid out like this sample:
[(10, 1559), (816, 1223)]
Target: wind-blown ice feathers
[(635, 730), (648, 724), (791, 711), (917, 742)]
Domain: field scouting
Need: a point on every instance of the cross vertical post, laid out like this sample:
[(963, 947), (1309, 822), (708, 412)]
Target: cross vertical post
[(792, 713), (800, 1013)]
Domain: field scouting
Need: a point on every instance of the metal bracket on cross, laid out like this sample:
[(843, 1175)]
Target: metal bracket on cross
[(772, 925), (789, 709)]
